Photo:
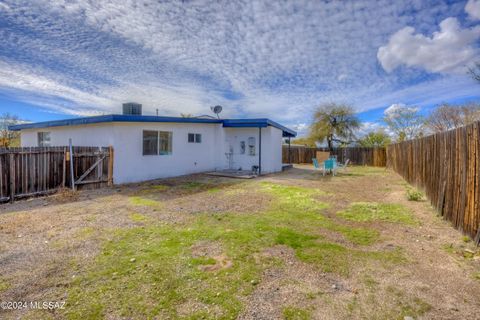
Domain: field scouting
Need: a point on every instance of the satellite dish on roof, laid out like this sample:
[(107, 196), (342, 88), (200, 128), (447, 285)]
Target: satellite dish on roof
[(216, 110)]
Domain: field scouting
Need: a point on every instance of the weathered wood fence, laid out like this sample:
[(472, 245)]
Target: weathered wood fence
[(26, 172), (447, 167), (357, 155)]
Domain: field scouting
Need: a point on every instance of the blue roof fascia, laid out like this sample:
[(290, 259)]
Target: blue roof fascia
[(61, 123), (260, 123), (245, 123), (138, 118), (286, 131), (108, 118), (234, 123)]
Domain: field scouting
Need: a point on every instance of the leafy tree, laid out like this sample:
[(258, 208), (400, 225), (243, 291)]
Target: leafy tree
[(306, 141), (446, 116), (8, 138), (335, 124), (375, 139), (186, 115), (405, 122)]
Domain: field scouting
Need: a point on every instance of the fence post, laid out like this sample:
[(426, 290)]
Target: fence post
[(12, 176), (72, 175), (64, 168), (110, 166)]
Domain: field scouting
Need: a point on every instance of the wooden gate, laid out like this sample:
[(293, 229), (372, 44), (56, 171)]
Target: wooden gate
[(27, 172)]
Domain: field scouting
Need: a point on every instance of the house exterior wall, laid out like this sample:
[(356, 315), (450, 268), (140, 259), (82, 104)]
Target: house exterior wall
[(271, 148), (94, 135), (130, 165), (186, 158)]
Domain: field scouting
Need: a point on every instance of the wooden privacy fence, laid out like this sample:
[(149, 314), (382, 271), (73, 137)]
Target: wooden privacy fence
[(447, 167), (26, 172), (357, 155)]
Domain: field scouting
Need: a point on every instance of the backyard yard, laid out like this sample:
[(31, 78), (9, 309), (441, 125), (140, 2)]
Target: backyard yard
[(293, 245)]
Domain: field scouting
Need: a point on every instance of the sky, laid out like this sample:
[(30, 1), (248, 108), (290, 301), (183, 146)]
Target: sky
[(275, 59)]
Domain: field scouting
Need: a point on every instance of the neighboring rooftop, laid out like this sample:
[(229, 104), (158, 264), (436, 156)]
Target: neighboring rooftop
[(233, 123)]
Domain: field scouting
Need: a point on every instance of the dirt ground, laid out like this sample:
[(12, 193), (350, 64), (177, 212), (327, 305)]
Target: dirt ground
[(46, 243)]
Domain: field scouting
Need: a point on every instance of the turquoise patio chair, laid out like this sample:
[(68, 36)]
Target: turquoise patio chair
[(318, 166), (330, 165)]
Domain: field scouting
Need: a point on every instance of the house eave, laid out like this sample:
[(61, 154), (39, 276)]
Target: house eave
[(234, 123)]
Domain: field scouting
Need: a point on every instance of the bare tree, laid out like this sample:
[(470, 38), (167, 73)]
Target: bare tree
[(447, 116), (404, 121), (334, 123), (475, 71), (8, 138)]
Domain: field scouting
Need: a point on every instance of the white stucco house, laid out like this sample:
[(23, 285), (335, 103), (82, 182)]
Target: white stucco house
[(151, 147)]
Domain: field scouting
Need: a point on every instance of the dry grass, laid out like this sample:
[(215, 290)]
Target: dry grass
[(297, 267)]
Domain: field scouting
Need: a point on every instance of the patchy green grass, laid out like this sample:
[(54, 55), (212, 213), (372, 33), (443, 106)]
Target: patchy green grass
[(198, 186), (214, 190), (138, 217), (293, 199), (476, 276), (3, 284), (372, 211), (466, 239), (370, 282), (405, 305), (151, 271), (360, 171), (449, 248), (160, 187), (362, 236), (392, 303), (85, 233), (144, 202), (294, 313), (193, 185)]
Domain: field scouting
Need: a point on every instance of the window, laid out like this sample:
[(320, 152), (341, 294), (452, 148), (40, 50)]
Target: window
[(150, 143), (165, 142), (194, 138), (157, 143), (44, 139)]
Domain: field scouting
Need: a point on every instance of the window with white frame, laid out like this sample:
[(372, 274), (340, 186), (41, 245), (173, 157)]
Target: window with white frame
[(44, 139), (194, 138), (157, 143)]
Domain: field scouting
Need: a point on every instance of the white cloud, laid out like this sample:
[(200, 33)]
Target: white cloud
[(473, 9), (367, 126), (302, 129), (448, 50), (395, 108), (4, 6)]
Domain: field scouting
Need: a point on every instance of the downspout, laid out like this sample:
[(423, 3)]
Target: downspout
[(259, 150)]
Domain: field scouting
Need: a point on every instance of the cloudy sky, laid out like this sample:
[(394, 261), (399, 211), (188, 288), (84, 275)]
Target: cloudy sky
[(276, 59)]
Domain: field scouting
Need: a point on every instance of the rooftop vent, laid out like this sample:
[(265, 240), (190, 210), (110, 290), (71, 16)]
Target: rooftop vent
[(132, 108)]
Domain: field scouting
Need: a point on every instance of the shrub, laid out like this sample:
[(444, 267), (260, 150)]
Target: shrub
[(414, 195)]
